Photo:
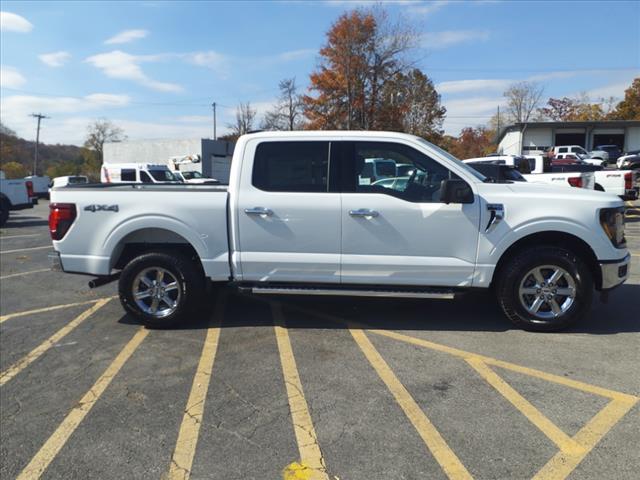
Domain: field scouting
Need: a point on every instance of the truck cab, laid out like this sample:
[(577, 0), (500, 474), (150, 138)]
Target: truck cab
[(137, 173)]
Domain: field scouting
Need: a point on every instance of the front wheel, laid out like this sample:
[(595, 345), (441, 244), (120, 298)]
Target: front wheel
[(161, 289), (545, 289)]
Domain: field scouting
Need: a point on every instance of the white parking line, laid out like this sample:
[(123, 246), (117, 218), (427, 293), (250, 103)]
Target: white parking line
[(26, 249), (26, 273), (3, 237)]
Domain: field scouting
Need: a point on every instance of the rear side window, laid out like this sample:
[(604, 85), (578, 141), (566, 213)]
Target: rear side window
[(291, 166), (128, 175)]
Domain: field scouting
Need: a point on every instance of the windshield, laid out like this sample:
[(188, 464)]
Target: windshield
[(458, 162), (191, 175), (163, 176)]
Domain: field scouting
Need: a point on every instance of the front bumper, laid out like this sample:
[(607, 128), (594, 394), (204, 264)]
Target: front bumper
[(615, 272)]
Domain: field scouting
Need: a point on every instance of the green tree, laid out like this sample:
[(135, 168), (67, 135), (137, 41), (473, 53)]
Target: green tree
[(629, 107), (14, 170)]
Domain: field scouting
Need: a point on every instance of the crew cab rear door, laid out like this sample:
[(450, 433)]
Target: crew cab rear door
[(288, 221), (399, 233)]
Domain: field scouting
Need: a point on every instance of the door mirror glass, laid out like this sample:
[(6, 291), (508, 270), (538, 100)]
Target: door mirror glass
[(455, 191)]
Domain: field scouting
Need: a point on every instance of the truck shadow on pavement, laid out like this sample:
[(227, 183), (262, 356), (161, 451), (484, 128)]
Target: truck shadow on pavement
[(469, 312), (25, 222)]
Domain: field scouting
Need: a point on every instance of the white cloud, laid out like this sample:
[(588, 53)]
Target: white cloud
[(126, 37), (459, 86), (606, 91), (59, 128), (10, 77), (295, 54), (449, 38), (55, 59), (208, 59), (121, 65), (469, 112), (11, 22)]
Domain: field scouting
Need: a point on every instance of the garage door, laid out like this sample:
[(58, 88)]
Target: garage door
[(570, 139), (609, 139)]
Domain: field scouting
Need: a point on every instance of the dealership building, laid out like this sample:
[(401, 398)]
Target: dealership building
[(522, 138)]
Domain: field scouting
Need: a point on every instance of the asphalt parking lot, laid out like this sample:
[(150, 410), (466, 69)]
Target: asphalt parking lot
[(307, 387)]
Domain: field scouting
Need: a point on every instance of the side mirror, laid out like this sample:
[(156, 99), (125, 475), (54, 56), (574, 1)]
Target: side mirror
[(455, 191)]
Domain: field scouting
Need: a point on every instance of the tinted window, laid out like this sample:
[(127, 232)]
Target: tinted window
[(163, 175), (144, 178), (421, 185), (291, 166), (563, 150), (128, 175)]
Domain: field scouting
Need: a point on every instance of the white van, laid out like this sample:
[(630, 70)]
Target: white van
[(375, 169), (41, 185), (136, 173)]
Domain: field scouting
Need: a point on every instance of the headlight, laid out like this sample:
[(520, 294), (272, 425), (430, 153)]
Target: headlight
[(612, 221)]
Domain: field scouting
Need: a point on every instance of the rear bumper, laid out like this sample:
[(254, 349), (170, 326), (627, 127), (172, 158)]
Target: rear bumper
[(615, 272)]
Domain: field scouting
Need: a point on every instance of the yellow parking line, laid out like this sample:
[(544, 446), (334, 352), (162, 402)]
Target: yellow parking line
[(56, 441), (25, 273), (26, 249), (563, 463), (448, 460), (311, 462), (557, 436), (32, 356), (4, 318), (185, 448)]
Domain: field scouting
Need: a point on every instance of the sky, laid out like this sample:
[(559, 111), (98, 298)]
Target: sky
[(154, 67)]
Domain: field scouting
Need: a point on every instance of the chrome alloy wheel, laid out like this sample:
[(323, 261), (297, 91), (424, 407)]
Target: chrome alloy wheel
[(156, 291), (547, 291)]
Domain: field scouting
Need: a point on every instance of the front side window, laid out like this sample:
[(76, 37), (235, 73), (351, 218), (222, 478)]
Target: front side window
[(163, 175), (291, 167), (415, 176), (144, 178)]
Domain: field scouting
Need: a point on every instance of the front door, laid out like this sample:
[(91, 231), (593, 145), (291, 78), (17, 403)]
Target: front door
[(395, 231), (288, 221)]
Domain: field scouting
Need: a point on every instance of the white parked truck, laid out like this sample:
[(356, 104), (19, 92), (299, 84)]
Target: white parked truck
[(531, 169), (15, 194), (136, 173), (297, 219)]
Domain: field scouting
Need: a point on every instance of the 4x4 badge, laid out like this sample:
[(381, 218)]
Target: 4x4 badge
[(101, 208)]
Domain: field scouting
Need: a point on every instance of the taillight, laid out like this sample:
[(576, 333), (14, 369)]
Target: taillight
[(628, 181), (29, 184), (575, 182), (61, 217)]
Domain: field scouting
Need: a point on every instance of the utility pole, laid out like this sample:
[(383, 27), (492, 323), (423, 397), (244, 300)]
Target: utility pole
[(40, 117), (215, 137)]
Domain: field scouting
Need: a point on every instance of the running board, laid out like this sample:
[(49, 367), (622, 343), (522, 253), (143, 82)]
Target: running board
[(421, 293)]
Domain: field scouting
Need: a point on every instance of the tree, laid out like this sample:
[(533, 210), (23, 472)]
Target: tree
[(245, 115), (287, 113), (364, 51), (472, 142), (522, 100), (574, 109), (411, 104), (629, 107), (100, 132), (14, 170), (6, 130)]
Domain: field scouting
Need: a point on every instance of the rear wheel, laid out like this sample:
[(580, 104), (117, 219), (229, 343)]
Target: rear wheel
[(4, 211), (161, 289), (545, 289)]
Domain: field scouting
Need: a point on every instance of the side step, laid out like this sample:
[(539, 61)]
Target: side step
[(444, 294)]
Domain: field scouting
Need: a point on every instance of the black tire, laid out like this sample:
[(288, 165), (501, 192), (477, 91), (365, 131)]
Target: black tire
[(4, 211), (515, 273), (189, 278)]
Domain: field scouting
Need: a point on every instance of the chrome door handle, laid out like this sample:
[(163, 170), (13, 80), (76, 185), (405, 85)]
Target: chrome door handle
[(258, 211), (363, 212)]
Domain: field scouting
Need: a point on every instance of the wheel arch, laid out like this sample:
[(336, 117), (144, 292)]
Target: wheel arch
[(555, 239)]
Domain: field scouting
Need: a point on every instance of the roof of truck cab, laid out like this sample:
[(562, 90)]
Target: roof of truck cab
[(330, 133)]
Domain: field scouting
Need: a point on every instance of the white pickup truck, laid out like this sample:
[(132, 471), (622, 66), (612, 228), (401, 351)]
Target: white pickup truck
[(15, 194), (296, 218), (532, 169)]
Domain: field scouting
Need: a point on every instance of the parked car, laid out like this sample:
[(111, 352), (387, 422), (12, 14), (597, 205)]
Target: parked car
[(630, 162), (41, 185), (526, 165), (193, 176), (15, 194), (608, 153), (624, 157), (376, 169), (576, 152), (498, 172), (69, 180), (137, 173), (295, 219), (611, 181)]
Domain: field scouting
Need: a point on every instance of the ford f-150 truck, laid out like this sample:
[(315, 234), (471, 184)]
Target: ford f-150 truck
[(297, 218)]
